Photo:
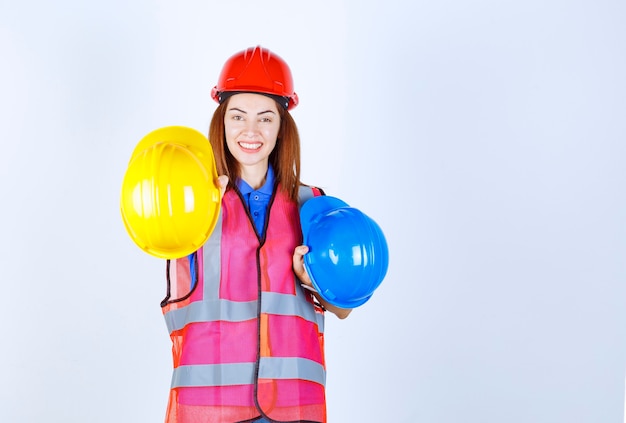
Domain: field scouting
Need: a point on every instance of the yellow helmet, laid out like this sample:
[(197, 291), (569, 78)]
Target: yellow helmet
[(169, 201)]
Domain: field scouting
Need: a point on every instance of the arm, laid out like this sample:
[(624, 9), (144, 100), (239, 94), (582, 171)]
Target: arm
[(300, 271)]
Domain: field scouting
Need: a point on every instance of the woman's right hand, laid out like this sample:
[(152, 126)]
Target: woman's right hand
[(222, 183)]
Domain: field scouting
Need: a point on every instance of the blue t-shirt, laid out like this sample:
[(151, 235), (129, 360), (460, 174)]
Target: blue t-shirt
[(257, 200)]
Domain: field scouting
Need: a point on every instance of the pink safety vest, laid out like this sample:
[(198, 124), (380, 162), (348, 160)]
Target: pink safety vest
[(247, 338)]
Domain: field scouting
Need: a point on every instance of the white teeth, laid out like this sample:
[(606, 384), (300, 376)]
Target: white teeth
[(250, 146)]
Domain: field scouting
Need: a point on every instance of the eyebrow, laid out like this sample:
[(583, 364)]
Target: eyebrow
[(244, 112)]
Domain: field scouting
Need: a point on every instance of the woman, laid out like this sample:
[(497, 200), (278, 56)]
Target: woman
[(245, 322)]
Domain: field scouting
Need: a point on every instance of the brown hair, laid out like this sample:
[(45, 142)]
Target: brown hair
[(285, 158)]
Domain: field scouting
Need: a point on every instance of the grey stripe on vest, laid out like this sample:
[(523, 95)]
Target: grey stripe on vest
[(291, 368), (210, 311), (213, 375), (233, 311), (212, 261), (288, 305), (243, 373)]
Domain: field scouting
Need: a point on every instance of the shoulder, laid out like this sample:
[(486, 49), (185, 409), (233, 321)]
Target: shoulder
[(306, 192)]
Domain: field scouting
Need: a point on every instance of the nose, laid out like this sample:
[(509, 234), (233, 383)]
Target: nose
[(252, 127)]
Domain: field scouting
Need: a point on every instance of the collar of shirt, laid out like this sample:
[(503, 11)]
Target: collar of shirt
[(266, 189), (256, 201)]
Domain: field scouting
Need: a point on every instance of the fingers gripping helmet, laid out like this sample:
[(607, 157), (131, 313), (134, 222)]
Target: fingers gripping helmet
[(256, 70), (169, 201), (348, 255)]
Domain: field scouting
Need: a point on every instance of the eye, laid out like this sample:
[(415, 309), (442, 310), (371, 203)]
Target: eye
[(237, 117), (266, 119)]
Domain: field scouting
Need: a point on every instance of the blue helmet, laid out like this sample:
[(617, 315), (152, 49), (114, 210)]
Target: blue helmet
[(348, 255)]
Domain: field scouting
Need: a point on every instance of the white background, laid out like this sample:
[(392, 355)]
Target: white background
[(487, 138)]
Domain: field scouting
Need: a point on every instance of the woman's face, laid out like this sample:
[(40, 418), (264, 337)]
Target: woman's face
[(251, 125)]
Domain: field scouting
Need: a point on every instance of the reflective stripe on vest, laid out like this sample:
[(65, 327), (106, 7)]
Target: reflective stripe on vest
[(239, 373), (235, 311)]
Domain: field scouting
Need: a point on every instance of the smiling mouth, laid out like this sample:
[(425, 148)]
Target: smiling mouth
[(250, 145)]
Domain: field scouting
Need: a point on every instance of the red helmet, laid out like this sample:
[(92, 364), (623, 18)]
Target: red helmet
[(257, 70)]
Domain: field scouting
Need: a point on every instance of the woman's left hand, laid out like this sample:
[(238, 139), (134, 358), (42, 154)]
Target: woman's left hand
[(303, 276), (298, 265)]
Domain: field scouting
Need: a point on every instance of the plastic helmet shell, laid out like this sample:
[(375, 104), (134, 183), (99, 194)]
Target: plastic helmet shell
[(348, 255), (256, 70), (169, 201)]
